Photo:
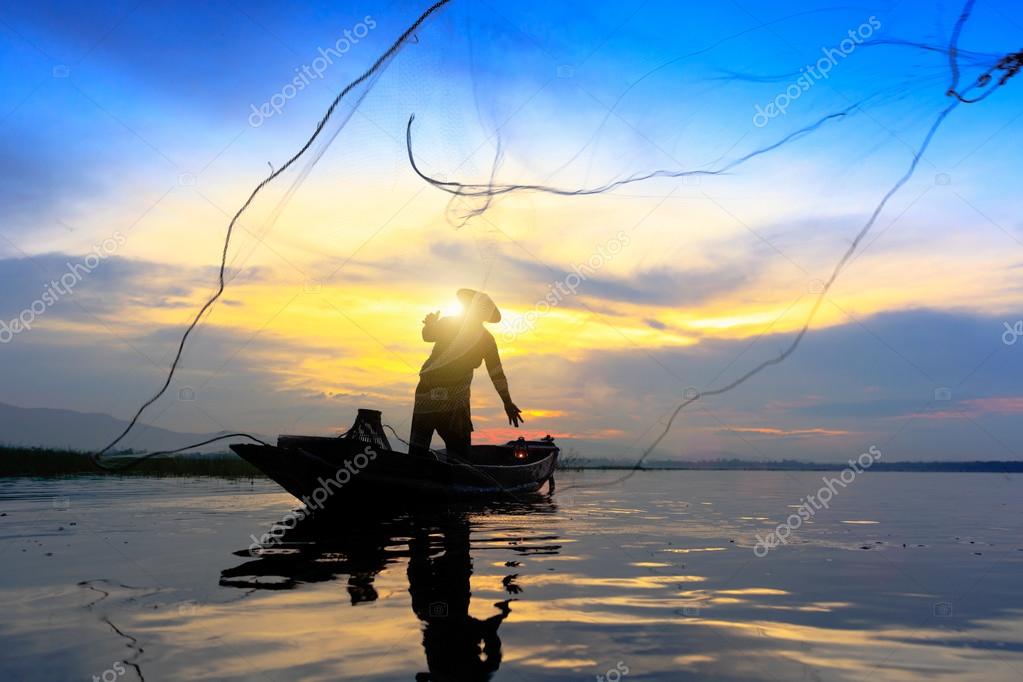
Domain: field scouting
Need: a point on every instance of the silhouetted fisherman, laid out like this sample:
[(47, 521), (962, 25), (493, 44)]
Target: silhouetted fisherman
[(461, 344)]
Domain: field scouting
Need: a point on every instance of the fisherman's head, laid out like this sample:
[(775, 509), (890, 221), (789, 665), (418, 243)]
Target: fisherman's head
[(478, 306)]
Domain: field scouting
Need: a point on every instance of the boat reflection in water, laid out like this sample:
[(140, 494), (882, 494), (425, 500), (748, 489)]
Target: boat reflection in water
[(435, 544)]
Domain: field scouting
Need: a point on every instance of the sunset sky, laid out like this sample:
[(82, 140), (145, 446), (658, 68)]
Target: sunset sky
[(132, 124)]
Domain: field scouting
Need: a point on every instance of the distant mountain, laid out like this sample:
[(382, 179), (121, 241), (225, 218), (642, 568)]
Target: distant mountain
[(50, 428)]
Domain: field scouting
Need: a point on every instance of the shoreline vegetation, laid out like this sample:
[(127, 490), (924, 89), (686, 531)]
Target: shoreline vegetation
[(47, 462)]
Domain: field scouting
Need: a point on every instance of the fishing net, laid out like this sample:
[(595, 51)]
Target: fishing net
[(500, 167)]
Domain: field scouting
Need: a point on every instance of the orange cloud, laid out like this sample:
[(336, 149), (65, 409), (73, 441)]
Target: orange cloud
[(507, 433), (785, 433), (543, 413)]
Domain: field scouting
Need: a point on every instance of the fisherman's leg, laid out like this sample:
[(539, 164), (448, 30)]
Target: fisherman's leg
[(420, 433), (456, 430), (458, 443)]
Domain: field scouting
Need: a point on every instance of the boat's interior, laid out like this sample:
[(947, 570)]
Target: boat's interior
[(501, 455), (486, 455)]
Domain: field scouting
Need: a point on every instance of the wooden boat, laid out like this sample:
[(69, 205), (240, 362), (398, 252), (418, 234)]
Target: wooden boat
[(361, 467)]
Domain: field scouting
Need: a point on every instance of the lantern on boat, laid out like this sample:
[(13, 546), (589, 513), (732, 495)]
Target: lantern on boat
[(521, 451)]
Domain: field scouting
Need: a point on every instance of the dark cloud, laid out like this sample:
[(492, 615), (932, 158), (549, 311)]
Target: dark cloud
[(107, 288), (876, 379), (655, 286), (663, 286)]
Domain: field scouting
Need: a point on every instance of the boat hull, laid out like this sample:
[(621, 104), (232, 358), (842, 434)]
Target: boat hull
[(332, 471)]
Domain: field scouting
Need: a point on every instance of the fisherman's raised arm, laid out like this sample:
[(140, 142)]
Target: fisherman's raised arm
[(430, 327)]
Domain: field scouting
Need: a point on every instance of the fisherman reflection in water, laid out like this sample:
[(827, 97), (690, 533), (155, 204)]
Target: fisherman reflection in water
[(461, 344), (459, 647)]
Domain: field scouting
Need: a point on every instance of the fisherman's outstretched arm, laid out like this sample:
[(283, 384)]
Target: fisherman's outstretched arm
[(496, 372)]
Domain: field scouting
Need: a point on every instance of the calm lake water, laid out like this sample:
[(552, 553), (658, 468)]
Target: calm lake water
[(904, 577)]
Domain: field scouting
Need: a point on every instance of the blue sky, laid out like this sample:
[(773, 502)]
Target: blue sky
[(136, 118)]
